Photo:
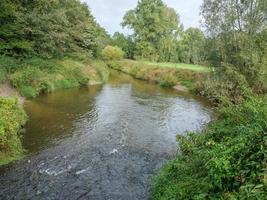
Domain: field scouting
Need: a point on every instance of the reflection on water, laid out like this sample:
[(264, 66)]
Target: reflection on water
[(101, 142)]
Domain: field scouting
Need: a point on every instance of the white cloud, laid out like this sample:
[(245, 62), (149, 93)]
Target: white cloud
[(109, 13)]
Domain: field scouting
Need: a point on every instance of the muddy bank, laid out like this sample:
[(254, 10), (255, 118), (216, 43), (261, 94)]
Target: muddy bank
[(7, 91)]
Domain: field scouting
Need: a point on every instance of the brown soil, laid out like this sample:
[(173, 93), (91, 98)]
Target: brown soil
[(180, 88), (7, 91)]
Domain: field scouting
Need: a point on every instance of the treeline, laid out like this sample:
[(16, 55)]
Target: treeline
[(159, 35), (48, 28), (234, 43)]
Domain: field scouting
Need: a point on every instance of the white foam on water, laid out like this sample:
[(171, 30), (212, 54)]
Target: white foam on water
[(113, 151)]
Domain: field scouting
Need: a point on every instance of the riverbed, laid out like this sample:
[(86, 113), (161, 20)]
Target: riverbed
[(100, 142)]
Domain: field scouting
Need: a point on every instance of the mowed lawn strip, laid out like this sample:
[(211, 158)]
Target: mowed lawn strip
[(192, 67)]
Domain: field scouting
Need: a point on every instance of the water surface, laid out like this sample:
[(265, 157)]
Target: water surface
[(101, 142)]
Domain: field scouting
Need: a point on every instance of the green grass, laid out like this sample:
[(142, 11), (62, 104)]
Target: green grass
[(35, 76), (198, 68)]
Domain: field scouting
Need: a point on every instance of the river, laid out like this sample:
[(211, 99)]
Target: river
[(100, 142)]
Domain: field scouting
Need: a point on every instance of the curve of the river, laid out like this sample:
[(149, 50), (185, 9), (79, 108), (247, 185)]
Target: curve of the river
[(101, 142)]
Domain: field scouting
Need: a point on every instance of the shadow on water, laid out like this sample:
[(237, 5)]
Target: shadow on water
[(101, 142)]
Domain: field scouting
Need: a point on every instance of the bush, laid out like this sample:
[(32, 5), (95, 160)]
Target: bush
[(3, 74), (226, 161), (12, 119), (112, 53), (10, 64), (224, 85)]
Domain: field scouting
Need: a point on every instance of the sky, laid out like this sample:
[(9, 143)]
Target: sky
[(109, 13)]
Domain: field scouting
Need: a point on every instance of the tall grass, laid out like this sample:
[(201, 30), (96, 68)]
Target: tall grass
[(165, 76), (35, 76)]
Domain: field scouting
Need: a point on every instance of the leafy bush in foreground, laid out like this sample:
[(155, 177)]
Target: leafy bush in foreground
[(12, 119), (226, 161)]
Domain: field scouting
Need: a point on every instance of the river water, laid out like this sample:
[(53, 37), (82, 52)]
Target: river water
[(101, 142)]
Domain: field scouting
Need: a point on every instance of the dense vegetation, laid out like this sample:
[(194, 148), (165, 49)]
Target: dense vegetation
[(112, 53), (12, 119), (48, 28), (228, 159), (159, 35), (45, 45)]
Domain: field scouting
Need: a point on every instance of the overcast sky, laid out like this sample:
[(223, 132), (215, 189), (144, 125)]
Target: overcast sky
[(109, 13)]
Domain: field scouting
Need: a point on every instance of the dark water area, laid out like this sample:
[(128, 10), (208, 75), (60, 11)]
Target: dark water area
[(100, 142)]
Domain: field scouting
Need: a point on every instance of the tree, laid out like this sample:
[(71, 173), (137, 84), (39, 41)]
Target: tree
[(125, 43), (237, 28), (156, 28), (191, 46), (48, 28)]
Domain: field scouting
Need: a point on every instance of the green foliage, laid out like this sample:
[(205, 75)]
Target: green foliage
[(191, 47), (238, 38), (226, 161), (125, 43), (10, 64), (3, 74), (112, 53), (155, 27), (48, 28), (12, 119), (38, 76), (224, 85)]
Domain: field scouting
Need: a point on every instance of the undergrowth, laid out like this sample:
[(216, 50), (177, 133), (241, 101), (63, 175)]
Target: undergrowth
[(12, 119), (225, 161)]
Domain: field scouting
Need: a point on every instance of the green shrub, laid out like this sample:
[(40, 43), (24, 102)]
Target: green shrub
[(112, 53), (3, 74), (12, 118), (225, 84), (28, 91), (165, 83), (10, 64), (226, 161)]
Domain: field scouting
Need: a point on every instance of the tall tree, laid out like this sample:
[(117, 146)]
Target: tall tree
[(47, 28), (126, 43), (237, 27), (191, 46), (155, 27)]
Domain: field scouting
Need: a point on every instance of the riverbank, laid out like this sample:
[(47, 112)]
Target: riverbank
[(180, 78), (96, 146), (225, 161), (30, 78)]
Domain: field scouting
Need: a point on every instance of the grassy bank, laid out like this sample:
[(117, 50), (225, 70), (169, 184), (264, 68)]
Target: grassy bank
[(192, 67), (35, 76), (226, 161), (162, 73), (32, 77), (12, 119)]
